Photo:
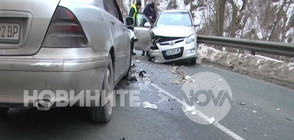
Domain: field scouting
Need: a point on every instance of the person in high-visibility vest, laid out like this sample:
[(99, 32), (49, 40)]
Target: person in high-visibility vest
[(133, 13)]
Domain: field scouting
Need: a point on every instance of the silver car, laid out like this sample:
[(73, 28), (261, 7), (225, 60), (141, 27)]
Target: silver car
[(62, 45), (173, 37)]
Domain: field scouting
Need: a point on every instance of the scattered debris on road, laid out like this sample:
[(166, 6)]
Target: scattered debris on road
[(189, 108), (245, 129), (148, 105), (181, 77), (133, 79), (242, 103), (141, 73), (161, 82), (133, 65), (211, 120), (288, 119)]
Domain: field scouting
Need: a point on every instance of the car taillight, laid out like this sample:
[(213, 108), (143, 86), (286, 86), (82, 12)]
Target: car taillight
[(65, 31)]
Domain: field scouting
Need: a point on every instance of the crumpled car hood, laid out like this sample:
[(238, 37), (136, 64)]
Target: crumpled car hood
[(173, 31)]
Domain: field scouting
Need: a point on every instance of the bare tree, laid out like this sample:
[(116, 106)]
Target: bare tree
[(278, 17), (220, 16), (237, 17), (172, 4)]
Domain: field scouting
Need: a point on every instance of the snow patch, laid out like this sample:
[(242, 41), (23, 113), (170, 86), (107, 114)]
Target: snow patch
[(259, 65)]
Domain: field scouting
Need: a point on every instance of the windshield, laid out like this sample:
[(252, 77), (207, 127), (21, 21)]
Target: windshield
[(174, 19)]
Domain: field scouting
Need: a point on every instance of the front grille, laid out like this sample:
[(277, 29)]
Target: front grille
[(173, 56), (161, 39), (171, 42)]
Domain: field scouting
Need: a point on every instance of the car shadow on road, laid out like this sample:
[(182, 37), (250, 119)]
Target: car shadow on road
[(34, 124)]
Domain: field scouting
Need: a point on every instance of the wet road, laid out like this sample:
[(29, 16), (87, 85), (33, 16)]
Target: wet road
[(259, 110)]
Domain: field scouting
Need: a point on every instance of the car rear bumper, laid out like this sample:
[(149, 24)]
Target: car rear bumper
[(36, 73)]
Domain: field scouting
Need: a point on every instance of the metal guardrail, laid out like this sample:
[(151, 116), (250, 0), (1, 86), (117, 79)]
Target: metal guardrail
[(284, 49)]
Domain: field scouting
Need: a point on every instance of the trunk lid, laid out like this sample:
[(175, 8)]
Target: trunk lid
[(23, 25)]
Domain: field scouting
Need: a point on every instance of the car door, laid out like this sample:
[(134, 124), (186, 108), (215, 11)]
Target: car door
[(143, 33), (117, 28)]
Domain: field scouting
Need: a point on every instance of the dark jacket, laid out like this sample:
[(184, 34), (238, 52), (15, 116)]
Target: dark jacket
[(147, 12)]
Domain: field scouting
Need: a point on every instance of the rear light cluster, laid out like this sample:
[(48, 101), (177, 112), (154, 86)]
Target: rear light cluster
[(65, 31)]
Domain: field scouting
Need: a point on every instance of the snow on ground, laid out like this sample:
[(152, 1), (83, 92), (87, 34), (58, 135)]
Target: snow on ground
[(258, 65)]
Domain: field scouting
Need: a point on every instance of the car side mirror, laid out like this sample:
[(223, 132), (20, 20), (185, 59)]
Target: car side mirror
[(147, 24), (129, 21)]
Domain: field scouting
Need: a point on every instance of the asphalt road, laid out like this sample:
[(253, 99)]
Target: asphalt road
[(259, 110)]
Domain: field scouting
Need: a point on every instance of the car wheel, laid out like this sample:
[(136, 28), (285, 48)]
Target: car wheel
[(193, 62), (102, 113), (3, 111)]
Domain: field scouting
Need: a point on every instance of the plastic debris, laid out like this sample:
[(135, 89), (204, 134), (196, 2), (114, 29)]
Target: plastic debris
[(141, 74), (211, 120), (288, 119), (265, 135), (161, 82), (175, 82), (189, 108), (254, 111), (133, 65), (133, 79), (245, 129), (147, 79), (148, 105), (242, 103), (188, 79), (278, 109), (193, 112), (138, 61)]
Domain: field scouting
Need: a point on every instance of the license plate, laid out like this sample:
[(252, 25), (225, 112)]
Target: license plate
[(173, 52), (9, 32)]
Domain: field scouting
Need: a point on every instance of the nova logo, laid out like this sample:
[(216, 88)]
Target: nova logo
[(204, 98), (210, 94)]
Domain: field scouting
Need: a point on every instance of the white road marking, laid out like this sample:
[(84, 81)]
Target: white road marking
[(200, 114)]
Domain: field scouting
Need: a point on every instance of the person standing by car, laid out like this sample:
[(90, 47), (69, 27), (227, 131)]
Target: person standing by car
[(133, 13), (150, 13)]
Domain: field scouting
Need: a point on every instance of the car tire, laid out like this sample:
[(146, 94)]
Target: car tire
[(3, 111), (193, 62), (102, 113)]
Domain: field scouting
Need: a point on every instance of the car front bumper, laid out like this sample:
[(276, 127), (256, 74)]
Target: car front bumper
[(67, 70), (189, 52)]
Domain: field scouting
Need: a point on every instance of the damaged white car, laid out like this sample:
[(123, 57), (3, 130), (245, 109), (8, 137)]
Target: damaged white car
[(173, 37)]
